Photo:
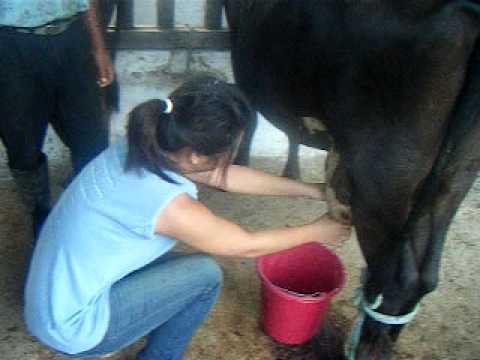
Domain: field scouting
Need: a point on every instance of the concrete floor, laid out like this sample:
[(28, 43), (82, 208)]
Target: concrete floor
[(447, 327)]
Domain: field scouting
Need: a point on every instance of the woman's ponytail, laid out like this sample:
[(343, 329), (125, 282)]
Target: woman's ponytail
[(145, 122)]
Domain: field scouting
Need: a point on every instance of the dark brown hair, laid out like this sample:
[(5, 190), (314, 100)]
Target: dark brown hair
[(208, 116)]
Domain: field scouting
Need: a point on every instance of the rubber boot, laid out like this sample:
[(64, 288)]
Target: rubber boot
[(33, 186)]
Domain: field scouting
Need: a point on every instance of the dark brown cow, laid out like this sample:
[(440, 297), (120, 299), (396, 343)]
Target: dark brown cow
[(397, 85)]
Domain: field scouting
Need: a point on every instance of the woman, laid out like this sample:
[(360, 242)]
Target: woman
[(102, 275)]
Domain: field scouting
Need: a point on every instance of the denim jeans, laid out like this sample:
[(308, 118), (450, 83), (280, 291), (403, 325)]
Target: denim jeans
[(167, 300), (50, 79)]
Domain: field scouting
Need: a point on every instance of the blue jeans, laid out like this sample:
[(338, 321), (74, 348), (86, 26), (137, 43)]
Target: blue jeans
[(61, 89), (166, 300)]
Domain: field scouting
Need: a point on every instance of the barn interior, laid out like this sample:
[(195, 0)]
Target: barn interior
[(447, 326)]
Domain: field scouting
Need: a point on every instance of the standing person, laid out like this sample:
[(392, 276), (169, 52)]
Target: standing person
[(102, 275), (52, 63)]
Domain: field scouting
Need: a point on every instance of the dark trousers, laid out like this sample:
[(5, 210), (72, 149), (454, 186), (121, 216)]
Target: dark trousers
[(49, 79)]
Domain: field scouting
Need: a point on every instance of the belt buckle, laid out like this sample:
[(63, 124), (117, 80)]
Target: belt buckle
[(51, 29)]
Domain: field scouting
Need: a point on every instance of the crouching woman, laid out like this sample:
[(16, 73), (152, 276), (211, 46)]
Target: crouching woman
[(102, 274)]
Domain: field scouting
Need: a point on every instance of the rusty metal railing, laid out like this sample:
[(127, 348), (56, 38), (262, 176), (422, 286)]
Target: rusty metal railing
[(124, 34)]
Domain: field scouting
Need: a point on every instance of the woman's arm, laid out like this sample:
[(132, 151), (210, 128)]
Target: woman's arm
[(190, 221), (242, 179)]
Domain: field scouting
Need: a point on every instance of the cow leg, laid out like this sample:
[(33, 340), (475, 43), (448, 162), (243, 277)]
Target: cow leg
[(292, 166), (394, 213), (244, 151), (405, 268), (291, 126), (447, 186), (299, 132), (382, 194), (414, 256), (431, 227), (460, 166)]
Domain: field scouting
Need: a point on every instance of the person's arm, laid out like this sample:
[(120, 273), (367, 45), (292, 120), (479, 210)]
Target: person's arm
[(188, 220), (102, 58), (242, 179)]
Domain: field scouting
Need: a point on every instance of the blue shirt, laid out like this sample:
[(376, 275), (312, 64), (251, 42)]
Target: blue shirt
[(33, 13), (101, 229)]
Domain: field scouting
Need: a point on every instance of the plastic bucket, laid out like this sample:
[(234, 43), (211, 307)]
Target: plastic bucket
[(297, 286)]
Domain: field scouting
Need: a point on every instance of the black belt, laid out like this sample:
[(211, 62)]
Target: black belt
[(52, 28)]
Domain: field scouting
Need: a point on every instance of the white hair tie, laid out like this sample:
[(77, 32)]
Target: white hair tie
[(169, 107)]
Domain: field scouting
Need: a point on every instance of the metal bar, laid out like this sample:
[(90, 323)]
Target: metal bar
[(125, 14), (165, 13), (153, 38), (213, 14)]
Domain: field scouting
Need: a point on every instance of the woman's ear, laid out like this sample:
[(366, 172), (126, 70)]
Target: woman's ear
[(199, 160), (195, 159)]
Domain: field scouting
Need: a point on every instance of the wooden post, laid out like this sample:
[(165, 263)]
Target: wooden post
[(125, 15), (165, 14), (213, 14)]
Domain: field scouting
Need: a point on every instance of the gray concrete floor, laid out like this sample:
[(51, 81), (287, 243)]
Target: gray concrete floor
[(447, 327)]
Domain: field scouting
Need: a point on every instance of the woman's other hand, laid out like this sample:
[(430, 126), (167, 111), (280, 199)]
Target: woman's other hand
[(332, 233)]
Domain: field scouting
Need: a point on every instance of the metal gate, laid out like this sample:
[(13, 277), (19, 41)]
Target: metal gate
[(165, 35)]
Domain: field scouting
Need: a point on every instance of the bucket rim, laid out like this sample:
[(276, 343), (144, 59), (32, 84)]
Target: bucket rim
[(305, 298)]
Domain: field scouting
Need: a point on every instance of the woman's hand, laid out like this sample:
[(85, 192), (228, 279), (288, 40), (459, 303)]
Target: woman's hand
[(332, 233), (317, 190)]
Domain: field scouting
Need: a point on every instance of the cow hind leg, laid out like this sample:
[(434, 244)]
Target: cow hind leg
[(306, 131), (436, 202), (288, 125), (292, 166), (382, 194), (452, 176), (243, 155)]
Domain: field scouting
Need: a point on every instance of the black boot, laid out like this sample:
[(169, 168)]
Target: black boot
[(34, 188)]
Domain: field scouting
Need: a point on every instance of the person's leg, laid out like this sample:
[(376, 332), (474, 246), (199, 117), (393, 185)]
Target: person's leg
[(79, 120), (167, 300), (24, 105), (34, 188)]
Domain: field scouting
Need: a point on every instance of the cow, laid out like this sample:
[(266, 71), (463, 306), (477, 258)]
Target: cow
[(396, 83)]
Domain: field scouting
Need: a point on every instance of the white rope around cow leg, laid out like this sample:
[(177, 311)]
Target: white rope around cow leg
[(366, 308), (359, 300)]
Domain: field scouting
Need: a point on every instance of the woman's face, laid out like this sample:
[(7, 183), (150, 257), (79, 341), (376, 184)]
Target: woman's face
[(188, 161)]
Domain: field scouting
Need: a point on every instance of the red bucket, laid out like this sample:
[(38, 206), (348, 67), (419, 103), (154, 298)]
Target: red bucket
[(297, 286)]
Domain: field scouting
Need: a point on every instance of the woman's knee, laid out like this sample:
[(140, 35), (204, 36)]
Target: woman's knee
[(207, 270)]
